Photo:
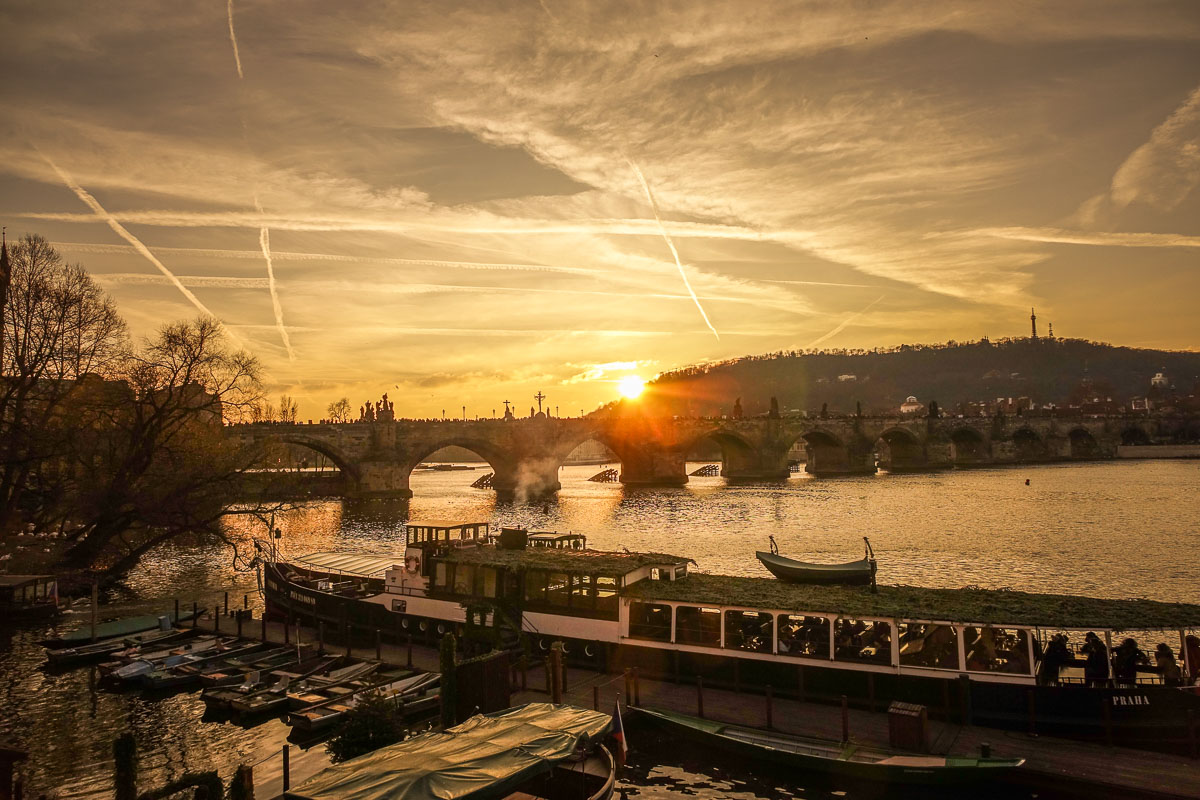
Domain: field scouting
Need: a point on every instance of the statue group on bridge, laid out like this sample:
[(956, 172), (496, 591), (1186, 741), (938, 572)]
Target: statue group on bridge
[(383, 411)]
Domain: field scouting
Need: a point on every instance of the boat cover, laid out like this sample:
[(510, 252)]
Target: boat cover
[(486, 756)]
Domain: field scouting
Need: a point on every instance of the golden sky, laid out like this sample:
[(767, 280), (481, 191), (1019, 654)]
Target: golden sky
[(465, 202)]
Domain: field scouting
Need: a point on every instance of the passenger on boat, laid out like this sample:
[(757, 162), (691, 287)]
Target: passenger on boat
[(1054, 659), (1126, 658), (1167, 666), (1191, 646), (1095, 669)]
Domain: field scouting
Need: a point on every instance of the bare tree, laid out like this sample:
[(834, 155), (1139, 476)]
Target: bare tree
[(339, 411), (288, 409), (57, 328)]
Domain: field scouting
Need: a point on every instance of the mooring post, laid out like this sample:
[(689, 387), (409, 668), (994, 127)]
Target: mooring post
[(845, 720), (628, 685), (95, 607), (175, 621), (562, 671), (1032, 701), (264, 625), (245, 602), (700, 696), (349, 637), (1108, 733), (378, 645), (1191, 723), (770, 702), (555, 673), (287, 767), (239, 626), (227, 604), (195, 613), (596, 707), (637, 687)]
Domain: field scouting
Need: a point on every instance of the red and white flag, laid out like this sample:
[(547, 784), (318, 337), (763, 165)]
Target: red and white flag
[(618, 732)]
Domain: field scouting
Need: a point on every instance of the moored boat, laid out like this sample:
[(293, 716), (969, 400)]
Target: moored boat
[(843, 759), (257, 681), (118, 647), (791, 570), (279, 696), (323, 715), (539, 750), (124, 626)]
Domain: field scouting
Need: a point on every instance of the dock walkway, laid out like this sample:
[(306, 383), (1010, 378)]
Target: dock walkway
[(1110, 771)]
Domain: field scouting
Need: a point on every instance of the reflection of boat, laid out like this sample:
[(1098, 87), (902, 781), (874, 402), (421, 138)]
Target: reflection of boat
[(539, 750), (792, 571), (845, 760)]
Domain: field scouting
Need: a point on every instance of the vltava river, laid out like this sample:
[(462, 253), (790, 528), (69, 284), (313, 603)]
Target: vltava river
[(1126, 529)]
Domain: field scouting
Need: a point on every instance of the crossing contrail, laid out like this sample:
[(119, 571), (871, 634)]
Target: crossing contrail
[(674, 252), (120, 230), (233, 39), (842, 326)]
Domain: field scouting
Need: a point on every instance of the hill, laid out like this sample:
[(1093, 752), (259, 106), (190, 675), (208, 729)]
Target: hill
[(1059, 371)]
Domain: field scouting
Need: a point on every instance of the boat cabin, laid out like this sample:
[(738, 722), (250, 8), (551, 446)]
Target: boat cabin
[(28, 594)]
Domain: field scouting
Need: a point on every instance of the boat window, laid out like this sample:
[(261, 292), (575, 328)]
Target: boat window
[(863, 641), (606, 595), (535, 586), (583, 592), (695, 625), (748, 630), (487, 575), (440, 581), (650, 621), (991, 649), (803, 636), (928, 645), (464, 577), (557, 589)]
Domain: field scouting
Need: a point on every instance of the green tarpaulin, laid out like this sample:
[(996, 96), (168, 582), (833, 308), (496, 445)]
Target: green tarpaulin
[(486, 756)]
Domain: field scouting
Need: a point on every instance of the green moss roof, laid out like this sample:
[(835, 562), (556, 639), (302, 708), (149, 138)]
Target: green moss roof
[(996, 606), (584, 562)]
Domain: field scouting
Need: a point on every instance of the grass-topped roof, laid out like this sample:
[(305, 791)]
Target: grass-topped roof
[(581, 562), (994, 606)]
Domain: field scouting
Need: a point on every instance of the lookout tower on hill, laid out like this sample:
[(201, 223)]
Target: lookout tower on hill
[(1033, 325)]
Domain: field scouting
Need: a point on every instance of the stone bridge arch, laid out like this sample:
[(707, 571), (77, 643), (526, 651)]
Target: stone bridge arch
[(342, 460), (900, 450), (969, 447), (1082, 444), (742, 458)]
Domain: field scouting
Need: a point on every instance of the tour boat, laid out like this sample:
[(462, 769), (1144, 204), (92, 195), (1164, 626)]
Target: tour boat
[(538, 750), (842, 759), (969, 654)]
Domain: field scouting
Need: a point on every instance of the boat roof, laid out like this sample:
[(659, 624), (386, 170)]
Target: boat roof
[(367, 566), (443, 524), (588, 562), (966, 605), (486, 756), (20, 580)]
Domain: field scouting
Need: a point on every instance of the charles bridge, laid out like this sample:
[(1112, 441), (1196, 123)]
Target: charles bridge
[(376, 458)]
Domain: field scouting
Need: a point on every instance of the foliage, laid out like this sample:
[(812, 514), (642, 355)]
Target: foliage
[(209, 782), (585, 562), (969, 604), (339, 410), (125, 758), (448, 663), (242, 785), (1048, 370), (374, 722)]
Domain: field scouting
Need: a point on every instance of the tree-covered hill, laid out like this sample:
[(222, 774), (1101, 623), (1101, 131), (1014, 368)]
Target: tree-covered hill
[(1056, 371)]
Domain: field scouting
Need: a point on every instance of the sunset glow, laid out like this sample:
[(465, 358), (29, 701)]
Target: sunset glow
[(631, 386)]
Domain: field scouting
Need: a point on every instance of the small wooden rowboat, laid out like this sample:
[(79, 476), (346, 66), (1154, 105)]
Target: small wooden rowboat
[(792, 571), (835, 758)]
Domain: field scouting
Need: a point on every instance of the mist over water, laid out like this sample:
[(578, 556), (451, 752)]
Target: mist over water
[(1123, 529)]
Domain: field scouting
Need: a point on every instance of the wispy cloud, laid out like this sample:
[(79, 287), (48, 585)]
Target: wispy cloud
[(1164, 170), (1093, 238), (237, 59), (674, 253), (264, 241), (841, 326)]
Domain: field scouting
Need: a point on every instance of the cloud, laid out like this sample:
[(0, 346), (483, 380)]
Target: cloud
[(1166, 169), (1095, 239), (841, 326)]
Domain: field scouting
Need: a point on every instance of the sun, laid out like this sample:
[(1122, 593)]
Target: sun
[(631, 386)]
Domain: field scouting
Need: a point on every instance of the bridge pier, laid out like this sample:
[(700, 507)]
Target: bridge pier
[(379, 480), (755, 465), (827, 461), (529, 479), (653, 466)]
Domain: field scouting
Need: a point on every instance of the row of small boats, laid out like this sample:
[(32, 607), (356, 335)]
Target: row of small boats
[(249, 678)]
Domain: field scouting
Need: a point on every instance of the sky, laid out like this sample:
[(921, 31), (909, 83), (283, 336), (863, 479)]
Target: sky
[(461, 203)]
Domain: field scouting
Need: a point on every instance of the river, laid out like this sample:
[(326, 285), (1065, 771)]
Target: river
[(1117, 529)]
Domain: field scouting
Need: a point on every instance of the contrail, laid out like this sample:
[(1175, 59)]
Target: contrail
[(264, 241), (674, 252), (264, 233), (120, 230), (233, 39), (841, 327)]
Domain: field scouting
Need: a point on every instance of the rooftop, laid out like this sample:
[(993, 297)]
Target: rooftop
[(995, 606), (350, 564), (590, 562), (18, 580)]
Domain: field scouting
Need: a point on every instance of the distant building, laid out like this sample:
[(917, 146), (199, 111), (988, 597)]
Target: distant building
[(911, 406), (1159, 381), (847, 378)]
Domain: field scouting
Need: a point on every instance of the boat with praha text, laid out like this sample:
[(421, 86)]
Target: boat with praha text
[(973, 655)]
